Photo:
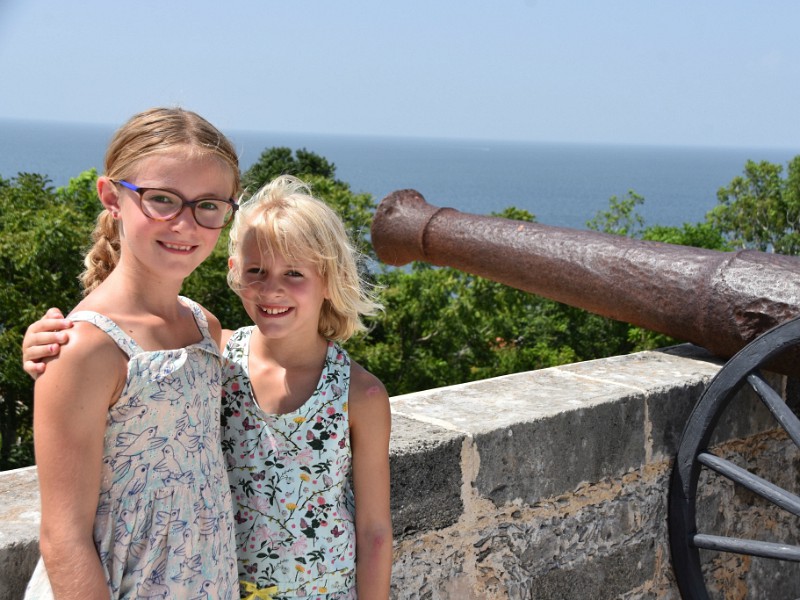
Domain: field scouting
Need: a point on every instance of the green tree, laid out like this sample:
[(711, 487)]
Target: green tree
[(281, 161), (621, 217), (697, 235), (761, 209), (356, 210), (42, 233)]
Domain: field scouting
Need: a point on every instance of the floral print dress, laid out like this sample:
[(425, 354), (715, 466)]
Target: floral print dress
[(289, 475), (163, 526)]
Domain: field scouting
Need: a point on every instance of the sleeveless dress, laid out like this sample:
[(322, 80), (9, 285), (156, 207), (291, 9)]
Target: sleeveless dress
[(163, 526), (290, 479)]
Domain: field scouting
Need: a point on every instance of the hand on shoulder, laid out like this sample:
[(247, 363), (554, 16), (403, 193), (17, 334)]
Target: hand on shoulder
[(89, 360), (43, 340)]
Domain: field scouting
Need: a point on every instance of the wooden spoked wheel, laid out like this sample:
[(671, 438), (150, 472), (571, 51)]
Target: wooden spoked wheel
[(696, 466)]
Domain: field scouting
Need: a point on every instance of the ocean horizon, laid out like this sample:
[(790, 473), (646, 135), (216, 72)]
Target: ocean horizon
[(562, 184)]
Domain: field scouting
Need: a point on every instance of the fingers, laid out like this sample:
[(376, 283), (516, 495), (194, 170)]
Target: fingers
[(53, 313), (43, 340), (43, 345), (33, 369), (48, 323)]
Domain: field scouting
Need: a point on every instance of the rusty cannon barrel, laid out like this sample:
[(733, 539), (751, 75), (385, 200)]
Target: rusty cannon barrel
[(717, 300)]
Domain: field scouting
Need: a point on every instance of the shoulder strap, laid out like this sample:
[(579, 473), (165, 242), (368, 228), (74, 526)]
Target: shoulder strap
[(199, 315), (110, 328), (197, 312), (208, 342)]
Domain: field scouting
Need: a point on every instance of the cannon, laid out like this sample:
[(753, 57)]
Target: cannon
[(743, 306), (718, 300)]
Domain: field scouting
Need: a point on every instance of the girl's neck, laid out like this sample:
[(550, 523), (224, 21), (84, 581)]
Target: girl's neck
[(128, 291), (285, 372), (290, 352)]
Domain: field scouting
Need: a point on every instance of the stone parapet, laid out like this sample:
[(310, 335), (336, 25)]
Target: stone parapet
[(549, 484)]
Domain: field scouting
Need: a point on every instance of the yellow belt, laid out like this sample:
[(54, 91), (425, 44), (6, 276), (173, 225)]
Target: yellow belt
[(258, 594)]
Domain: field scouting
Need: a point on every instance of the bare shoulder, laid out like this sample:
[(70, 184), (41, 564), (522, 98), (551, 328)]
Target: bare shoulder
[(86, 341), (366, 387), (89, 361), (368, 403), (370, 425)]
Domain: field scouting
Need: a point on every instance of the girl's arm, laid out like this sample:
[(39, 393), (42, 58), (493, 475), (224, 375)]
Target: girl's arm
[(71, 402), (370, 427)]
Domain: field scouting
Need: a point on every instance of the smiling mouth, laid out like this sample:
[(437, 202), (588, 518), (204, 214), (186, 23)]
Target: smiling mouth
[(177, 247), (273, 311)]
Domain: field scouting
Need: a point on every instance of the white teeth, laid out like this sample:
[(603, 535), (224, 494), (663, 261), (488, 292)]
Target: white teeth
[(273, 311), (177, 247)]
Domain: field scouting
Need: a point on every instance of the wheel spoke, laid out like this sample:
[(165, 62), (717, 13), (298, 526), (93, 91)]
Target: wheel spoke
[(751, 547), (777, 407), (754, 483)]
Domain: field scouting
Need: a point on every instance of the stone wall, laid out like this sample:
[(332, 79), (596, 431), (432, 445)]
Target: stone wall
[(549, 484), (553, 484)]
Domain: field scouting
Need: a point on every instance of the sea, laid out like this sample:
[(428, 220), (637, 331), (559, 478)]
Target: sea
[(561, 184)]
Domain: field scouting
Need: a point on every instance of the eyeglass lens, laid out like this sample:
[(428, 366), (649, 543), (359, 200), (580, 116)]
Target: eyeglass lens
[(160, 204)]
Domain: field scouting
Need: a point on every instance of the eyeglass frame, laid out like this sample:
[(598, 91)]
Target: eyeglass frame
[(192, 204)]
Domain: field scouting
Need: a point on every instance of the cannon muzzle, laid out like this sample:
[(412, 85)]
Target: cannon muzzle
[(718, 300)]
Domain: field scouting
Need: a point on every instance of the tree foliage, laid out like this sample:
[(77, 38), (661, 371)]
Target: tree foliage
[(42, 234), (281, 161), (761, 209), (621, 217)]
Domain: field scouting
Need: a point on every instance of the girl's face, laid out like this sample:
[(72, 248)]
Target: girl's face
[(282, 297), (173, 248)]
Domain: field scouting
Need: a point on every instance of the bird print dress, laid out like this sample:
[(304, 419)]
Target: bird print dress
[(163, 526)]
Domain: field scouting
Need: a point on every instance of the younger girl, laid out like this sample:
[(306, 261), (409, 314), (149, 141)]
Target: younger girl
[(300, 419), (126, 422)]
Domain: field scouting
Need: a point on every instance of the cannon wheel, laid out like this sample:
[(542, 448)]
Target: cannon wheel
[(693, 455)]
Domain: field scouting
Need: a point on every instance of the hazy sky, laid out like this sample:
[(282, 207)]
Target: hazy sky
[(699, 72)]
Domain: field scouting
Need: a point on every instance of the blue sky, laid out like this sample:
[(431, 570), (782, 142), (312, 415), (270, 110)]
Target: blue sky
[(707, 73)]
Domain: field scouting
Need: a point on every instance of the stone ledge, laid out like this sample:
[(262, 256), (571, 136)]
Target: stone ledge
[(536, 480), (541, 433)]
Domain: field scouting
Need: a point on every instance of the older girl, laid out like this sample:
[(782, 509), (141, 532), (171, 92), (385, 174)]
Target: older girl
[(126, 422)]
